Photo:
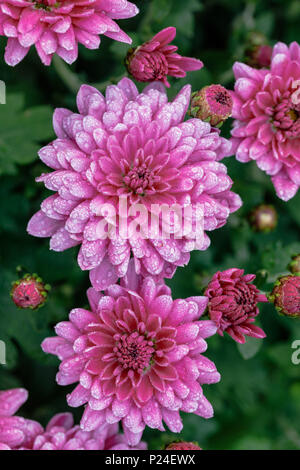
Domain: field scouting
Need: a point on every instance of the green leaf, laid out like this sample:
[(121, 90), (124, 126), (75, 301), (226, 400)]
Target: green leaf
[(22, 132)]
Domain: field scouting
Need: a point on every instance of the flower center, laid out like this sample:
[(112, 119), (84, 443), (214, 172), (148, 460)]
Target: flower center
[(46, 4), (245, 297), (133, 351), (286, 117), (222, 98), (139, 179), (293, 114), (219, 100)]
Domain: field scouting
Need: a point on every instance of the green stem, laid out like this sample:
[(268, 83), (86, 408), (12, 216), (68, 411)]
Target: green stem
[(69, 78)]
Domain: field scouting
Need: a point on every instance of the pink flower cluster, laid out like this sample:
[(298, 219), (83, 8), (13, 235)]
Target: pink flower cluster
[(18, 433), (137, 355), (57, 26), (267, 113)]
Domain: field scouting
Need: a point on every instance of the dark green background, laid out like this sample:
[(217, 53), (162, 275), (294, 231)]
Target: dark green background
[(257, 403)]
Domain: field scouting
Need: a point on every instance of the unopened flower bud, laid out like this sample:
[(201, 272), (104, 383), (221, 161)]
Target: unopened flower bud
[(258, 53), (156, 59), (29, 292), (212, 104), (286, 295), (263, 218), (232, 304), (259, 56)]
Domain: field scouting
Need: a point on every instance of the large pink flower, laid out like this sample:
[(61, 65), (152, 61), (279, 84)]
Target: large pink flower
[(137, 356), (267, 113), (133, 146), (57, 26), (233, 303), (156, 59), (14, 430)]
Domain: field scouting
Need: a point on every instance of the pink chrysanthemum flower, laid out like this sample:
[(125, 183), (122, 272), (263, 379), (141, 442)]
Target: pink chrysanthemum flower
[(133, 146), (267, 113), (233, 303), (14, 430), (57, 26), (17, 433), (137, 356), (156, 59)]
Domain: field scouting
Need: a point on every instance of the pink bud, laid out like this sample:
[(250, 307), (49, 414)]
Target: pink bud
[(213, 104), (29, 292), (286, 296), (156, 59), (233, 303)]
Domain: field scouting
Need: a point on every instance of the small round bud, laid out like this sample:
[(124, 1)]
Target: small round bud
[(181, 445), (259, 56), (258, 53), (29, 292), (212, 104), (263, 218), (294, 265), (286, 295)]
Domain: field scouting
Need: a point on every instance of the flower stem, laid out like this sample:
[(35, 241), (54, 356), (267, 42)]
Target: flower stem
[(69, 78)]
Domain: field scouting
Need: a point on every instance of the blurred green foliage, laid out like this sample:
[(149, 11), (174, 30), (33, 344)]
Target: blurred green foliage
[(257, 403)]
